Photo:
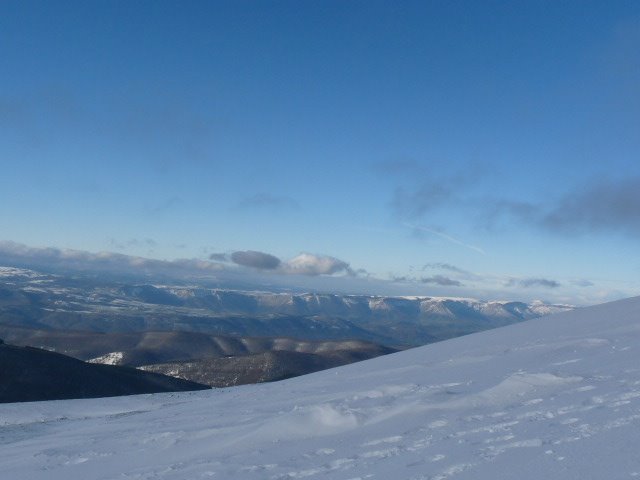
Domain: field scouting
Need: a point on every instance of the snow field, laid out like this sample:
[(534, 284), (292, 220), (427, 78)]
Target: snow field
[(555, 398)]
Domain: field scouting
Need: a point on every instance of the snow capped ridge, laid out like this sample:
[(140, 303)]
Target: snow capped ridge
[(555, 398), (238, 301), (396, 321), (349, 305)]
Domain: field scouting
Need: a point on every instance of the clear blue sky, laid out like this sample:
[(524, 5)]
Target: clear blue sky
[(451, 147)]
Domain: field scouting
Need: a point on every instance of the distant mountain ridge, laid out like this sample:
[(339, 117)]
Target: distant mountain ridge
[(44, 301), (344, 306)]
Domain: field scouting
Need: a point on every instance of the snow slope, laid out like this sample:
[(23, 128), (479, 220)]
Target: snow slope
[(552, 398)]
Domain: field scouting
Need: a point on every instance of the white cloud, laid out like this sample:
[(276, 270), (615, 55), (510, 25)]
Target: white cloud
[(309, 264)]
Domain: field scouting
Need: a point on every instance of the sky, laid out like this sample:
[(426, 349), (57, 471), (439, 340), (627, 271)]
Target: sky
[(461, 148)]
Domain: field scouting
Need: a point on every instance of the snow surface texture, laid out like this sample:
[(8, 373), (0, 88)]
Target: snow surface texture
[(552, 398)]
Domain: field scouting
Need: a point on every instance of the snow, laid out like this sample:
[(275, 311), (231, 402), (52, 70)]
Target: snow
[(112, 358), (8, 272), (553, 398)]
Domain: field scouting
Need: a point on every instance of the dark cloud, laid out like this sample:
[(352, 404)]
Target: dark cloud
[(363, 273), (133, 243), (441, 280), (401, 279), (257, 260), (266, 201), (603, 206), (423, 190), (443, 266), (532, 283), (219, 257), (108, 261)]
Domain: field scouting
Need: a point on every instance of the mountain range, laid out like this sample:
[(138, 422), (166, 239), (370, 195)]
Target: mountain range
[(223, 337), (46, 301)]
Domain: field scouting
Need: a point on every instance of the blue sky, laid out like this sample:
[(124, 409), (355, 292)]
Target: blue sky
[(450, 148)]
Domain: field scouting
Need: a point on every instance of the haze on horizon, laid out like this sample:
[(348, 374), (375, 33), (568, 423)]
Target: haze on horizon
[(438, 148)]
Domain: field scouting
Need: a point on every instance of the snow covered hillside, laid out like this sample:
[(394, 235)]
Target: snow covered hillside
[(552, 398)]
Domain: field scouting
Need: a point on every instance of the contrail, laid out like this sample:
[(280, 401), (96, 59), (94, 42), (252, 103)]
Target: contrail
[(448, 238)]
